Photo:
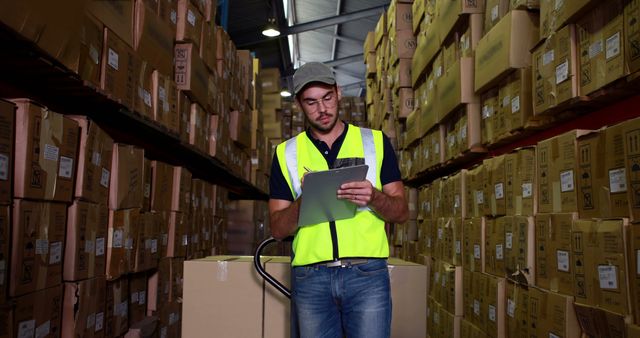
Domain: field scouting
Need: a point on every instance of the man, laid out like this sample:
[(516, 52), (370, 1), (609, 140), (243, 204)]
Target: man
[(340, 282)]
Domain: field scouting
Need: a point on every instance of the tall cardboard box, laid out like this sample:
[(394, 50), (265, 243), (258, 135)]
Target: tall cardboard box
[(601, 40), (45, 153), (117, 307), (631, 29), (137, 297), (220, 294), (123, 228), (556, 76), (181, 190), (277, 307), (199, 136), (83, 308), (165, 98), (7, 125), (153, 37), (473, 244), (117, 15), (555, 314), (161, 186), (554, 270), (37, 314), (94, 162), (505, 47), (601, 272), (147, 179), (178, 234), (557, 158), (554, 15), (191, 74), (190, 22), (495, 247), (85, 244), (148, 239), (118, 67), (525, 188), (37, 246), (520, 250), (517, 311), (5, 240), (126, 185)]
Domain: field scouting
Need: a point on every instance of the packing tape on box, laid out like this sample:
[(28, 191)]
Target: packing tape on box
[(222, 272)]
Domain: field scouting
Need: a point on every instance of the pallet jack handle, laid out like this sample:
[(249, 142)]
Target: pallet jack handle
[(256, 263)]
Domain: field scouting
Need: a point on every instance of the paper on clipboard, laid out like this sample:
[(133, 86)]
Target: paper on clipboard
[(320, 202)]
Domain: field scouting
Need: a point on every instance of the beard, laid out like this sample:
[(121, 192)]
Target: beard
[(324, 127)]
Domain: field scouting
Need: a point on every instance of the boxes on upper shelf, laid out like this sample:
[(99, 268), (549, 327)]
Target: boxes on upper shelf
[(45, 154), (191, 75), (153, 38), (118, 68)]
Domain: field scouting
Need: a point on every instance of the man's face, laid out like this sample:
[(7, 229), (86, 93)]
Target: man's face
[(319, 102)]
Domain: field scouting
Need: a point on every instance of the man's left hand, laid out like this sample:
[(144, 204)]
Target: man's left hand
[(361, 193)]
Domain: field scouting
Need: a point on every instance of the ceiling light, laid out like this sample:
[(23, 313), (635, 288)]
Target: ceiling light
[(271, 30), (285, 93)]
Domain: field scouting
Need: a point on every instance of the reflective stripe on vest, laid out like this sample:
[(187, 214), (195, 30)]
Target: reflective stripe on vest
[(370, 159)]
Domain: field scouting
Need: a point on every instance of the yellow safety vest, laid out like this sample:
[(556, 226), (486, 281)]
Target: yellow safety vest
[(361, 236)]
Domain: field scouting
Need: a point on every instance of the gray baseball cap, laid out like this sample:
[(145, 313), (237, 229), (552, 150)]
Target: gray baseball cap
[(312, 72)]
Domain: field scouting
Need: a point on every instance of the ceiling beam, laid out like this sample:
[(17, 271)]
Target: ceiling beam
[(333, 20), (353, 85), (342, 61), (341, 37), (348, 73)]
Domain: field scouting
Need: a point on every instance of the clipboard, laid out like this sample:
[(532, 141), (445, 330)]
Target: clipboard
[(320, 202)]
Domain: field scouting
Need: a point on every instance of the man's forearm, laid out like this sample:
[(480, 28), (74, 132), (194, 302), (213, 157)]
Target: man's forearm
[(284, 222), (391, 209)]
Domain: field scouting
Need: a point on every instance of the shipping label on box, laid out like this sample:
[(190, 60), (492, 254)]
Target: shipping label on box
[(37, 246), (189, 22), (45, 154), (86, 241), (83, 308)]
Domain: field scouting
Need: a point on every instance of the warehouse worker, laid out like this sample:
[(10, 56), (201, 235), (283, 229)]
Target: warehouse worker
[(340, 282)]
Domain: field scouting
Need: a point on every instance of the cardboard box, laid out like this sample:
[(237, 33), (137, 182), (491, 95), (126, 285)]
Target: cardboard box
[(37, 313), (520, 249), (495, 302), (170, 320), (126, 185), (85, 243), (153, 38), (505, 47), (601, 272), (449, 13), (190, 22), (191, 75), (497, 189), (143, 99), (118, 68), (147, 179), (473, 244), (516, 101), (7, 123), (495, 11), (490, 109), (208, 46), (116, 15), (227, 281), (149, 241), (5, 226), (178, 235), (239, 128), (94, 162), (556, 166), (37, 246), (145, 328), (517, 311), (83, 308), (270, 78), (138, 297), (45, 153), (601, 39), (553, 252), (631, 14), (199, 136), (123, 229), (556, 314), (554, 16), (477, 199), (495, 247), (117, 309), (632, 150), (277, 307), (165, 98), (614, 203), (181, 191), (556, 72), (524, 183), (596, 322), (161, 186)]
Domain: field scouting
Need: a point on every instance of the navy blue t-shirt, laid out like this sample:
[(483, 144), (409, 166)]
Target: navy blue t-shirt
[(279, 189)]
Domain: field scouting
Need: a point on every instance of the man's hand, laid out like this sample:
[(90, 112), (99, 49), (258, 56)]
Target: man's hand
[(360, 193)]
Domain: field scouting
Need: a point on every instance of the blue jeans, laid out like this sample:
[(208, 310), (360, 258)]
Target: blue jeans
[(352, 301)]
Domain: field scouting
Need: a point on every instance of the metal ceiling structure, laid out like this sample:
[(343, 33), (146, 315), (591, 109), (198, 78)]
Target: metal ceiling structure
[(329, 31)]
